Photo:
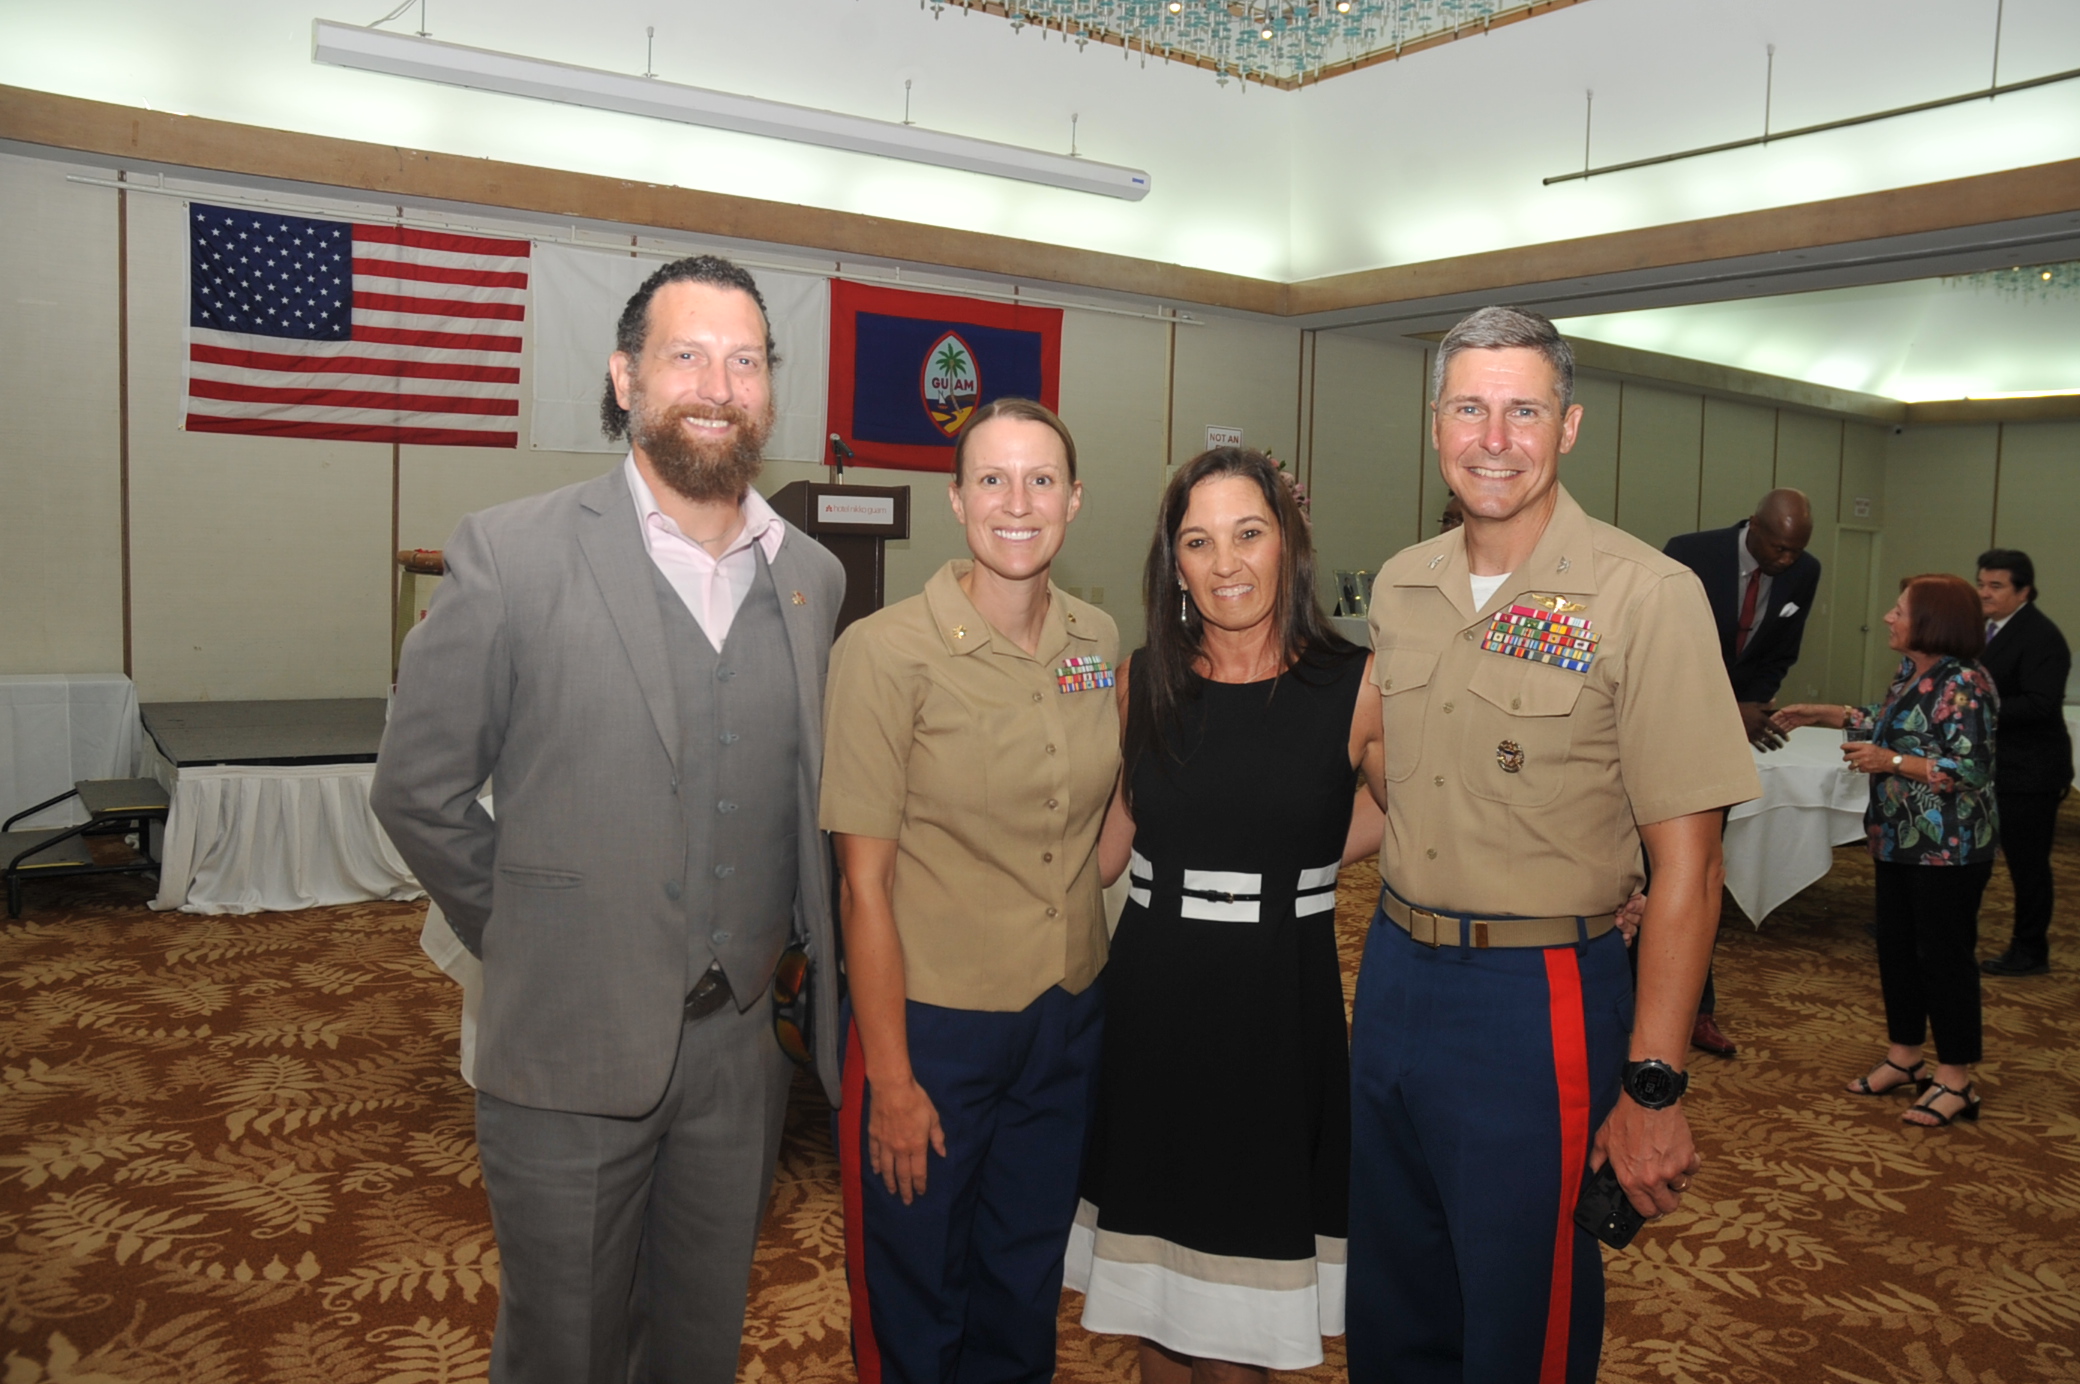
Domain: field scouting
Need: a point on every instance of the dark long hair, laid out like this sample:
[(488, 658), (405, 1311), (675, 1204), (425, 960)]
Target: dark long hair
[(1164, 680)]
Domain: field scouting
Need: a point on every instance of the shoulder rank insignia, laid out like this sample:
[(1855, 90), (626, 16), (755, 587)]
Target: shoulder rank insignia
[(1083, 673), (1543, 629)]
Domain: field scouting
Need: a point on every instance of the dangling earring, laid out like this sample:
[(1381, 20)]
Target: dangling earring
[(1184, 605)]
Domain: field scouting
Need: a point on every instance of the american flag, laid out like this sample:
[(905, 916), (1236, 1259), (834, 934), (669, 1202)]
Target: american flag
[(306, 328)]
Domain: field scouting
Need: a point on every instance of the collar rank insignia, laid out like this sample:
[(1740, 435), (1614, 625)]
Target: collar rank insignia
[(1543, 629), (1083, 673)]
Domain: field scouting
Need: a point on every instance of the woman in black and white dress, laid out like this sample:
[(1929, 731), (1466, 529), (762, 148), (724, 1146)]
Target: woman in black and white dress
[(1215, 1191)]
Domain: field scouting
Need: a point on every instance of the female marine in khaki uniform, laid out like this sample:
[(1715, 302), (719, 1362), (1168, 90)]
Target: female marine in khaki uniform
[(972, 742)]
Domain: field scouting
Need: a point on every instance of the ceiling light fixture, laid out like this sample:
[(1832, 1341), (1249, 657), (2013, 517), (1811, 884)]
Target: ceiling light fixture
[(481, 69)]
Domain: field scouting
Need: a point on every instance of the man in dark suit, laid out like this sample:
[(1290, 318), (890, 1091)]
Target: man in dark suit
[(1761, 581), (638, 661), (2033, 752)]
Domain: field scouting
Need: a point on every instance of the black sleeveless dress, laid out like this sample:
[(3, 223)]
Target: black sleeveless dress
[(1215, 1192)]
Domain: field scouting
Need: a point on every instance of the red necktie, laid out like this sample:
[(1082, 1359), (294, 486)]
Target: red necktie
[(1740, 640)]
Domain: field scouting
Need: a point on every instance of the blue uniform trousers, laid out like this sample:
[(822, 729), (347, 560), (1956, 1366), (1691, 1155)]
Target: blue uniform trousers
[(963, 1285), (1479, 1078)]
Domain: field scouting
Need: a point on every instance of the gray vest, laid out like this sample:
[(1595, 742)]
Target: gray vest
[(739, 775)]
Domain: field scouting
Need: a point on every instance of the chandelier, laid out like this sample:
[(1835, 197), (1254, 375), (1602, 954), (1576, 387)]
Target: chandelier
[(1280, 43)]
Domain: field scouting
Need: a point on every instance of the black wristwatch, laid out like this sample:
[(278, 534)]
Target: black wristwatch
[(1654, 1085)]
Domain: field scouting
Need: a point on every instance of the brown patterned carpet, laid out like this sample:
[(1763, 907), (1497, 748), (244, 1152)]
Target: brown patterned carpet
[(235, 1149)]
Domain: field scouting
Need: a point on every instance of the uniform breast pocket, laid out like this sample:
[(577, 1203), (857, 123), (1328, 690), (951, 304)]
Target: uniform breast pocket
[(1403, 676), (1521, 730)]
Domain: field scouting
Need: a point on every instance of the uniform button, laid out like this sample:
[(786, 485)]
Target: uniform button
[(729, 737), (1052, 804), (1468, 636), (1439, 780), (1386, 684), (1432, 852), (1447, 708), (725, 806), (1515, 703), (1037, 697), (725, 871), (724, 674), (671, 888), (1050, 912), (1050, 749), (1047, 859), (718, 938)]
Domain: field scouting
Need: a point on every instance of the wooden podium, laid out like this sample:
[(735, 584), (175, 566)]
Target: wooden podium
[(855, 522)]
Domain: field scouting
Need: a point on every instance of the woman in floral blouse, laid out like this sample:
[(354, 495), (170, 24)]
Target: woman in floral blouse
[(1928, 748)]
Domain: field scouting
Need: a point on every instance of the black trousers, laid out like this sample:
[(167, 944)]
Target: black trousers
[(1928, 966), (2028, 823)]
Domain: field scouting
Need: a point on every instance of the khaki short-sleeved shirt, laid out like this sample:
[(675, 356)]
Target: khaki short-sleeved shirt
[(1516, 785), (991, 769)]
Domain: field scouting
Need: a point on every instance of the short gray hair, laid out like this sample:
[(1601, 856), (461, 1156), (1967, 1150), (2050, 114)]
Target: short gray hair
[(1500, 328)]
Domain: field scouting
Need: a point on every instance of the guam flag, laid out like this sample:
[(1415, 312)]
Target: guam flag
[(909, 369)]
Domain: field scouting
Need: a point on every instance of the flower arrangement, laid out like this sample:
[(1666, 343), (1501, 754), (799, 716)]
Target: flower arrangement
[(1294, 485)]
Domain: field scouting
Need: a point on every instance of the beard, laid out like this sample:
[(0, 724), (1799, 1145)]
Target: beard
[(696, 468)]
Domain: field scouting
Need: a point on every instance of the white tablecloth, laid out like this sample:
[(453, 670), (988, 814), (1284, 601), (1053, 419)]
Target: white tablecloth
[(59, 728), (262, 838), (1785, 840)]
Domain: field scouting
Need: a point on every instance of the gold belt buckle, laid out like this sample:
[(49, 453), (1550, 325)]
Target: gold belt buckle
[(1422, 926)]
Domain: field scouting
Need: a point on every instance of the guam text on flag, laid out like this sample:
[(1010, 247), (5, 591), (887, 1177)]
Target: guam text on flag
[(358, 333), (907, 369)]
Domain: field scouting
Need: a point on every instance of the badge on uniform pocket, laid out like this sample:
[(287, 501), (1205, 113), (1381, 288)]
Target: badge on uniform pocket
[(1543, 629), (1083, 674)]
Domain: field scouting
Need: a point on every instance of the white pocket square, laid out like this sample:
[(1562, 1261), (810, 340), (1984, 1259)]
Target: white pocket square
[(1790, 609)]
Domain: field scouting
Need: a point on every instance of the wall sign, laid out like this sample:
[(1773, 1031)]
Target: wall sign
[(1217, 436)]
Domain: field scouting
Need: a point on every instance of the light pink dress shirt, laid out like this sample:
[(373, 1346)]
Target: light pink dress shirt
[(713, 588)]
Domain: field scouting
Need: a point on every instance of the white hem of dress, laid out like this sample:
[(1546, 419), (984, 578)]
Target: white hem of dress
[(1275, 1328)]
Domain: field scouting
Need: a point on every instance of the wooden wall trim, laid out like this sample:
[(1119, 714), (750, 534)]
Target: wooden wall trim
[(126, 134), (2053, 408), (1728, 381)]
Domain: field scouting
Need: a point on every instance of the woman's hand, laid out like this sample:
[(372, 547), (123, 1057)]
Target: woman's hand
[(1867, 758), (1629, 916), (903, 1125), (1790, 718)]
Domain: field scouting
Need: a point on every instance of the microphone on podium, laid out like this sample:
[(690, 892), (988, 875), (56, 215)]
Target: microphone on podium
[(840, 455)]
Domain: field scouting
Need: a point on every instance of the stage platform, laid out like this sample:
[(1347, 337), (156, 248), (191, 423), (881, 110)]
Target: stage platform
[(346, 730), (270, 805)]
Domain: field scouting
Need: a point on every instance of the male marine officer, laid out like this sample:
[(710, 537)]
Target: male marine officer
[(1552, 698), (639, 662)]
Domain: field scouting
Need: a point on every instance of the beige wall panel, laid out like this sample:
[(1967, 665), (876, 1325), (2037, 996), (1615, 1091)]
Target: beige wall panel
[(2039, 511), (1658, 462), (1114, 371), (1590, 471), (1368, 462), (1939, 496), (1236, 374), (61, 595), (1809, 458), (1863, 474), (1740, 461), (438, 485), (260, 566)]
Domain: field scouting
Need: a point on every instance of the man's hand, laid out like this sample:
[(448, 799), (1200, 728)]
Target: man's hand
[(1652, 1152), (1762, 732), (903, 1125), (1629, 916)]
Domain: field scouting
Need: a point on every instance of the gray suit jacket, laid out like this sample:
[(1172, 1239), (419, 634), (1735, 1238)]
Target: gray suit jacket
[(541, 662)]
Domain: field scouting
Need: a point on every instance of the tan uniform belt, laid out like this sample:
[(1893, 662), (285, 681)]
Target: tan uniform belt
[(1435, 929)]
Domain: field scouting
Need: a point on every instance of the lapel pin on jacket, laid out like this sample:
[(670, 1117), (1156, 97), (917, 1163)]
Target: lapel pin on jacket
[(800, 599)]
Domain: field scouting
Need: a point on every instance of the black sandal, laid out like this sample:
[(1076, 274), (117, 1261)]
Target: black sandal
[(1938, 1090), (1919, 1082)]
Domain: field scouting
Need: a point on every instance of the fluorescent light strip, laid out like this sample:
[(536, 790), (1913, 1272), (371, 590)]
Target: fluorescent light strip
[(401, 55)]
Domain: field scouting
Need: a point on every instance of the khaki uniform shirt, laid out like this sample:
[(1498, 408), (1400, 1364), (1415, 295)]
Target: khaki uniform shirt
[(991, 769), (1516, 785)]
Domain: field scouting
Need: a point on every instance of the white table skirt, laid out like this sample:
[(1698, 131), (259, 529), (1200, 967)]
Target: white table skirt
[(59, 728), (1784, 840), (263, 838)]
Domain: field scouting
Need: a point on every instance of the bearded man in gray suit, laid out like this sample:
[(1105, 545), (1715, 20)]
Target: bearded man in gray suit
[(638, 663)]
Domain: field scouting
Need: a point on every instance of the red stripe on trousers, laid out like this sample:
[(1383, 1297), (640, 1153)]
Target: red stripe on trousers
[(1571, 1076), (866, 1351)]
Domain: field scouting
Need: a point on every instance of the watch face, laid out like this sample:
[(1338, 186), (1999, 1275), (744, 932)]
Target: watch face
[(1652, 1084)]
